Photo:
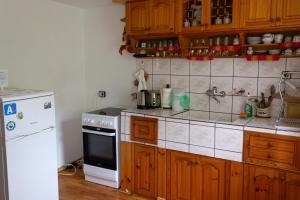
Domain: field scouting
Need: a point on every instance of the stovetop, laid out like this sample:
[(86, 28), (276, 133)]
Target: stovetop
[(110, 111)]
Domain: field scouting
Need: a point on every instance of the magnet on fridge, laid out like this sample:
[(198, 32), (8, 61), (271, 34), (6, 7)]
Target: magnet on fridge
[(11, 125), (20, 115)]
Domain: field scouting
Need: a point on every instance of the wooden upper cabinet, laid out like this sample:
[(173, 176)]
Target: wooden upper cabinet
[(288, 13), (137, 17), (261, 183), (150, 16), (221, 9), (196, 178), (144, 170), (162, 16), (258, 13)]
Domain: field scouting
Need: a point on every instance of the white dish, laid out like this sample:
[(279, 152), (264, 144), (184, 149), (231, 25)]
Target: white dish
[(274, 51)]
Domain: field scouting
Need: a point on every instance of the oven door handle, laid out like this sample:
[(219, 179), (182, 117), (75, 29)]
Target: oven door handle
[(98, 133)]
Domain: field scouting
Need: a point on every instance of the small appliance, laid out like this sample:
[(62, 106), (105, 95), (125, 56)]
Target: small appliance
[(155, 99), (143, 99), (101, 143)]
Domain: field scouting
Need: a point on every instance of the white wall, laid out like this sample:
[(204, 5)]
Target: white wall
[(105, 68), (41, 44)]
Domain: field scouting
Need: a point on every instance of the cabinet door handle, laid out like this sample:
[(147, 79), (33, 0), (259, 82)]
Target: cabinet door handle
[(137, 166), (272, 20), (269, 156), (278, 19)]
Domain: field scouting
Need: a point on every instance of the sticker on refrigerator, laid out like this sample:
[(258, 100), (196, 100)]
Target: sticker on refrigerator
[(20, 115), (11, 125), (10, 109)]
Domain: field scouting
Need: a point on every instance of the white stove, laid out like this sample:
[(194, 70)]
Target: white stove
[(101, 142)]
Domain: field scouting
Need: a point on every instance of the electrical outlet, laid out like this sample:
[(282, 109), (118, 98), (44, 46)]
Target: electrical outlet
[(102, 94)]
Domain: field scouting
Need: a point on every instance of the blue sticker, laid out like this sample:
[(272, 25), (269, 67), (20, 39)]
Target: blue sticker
[(10, 109), (11, 125)]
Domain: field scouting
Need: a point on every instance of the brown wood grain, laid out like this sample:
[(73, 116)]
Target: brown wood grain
[(144, 129)]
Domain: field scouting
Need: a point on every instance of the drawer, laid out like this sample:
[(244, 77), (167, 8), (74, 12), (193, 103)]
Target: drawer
[(272, 150), (272, 155), (144, 129), (271, 143)]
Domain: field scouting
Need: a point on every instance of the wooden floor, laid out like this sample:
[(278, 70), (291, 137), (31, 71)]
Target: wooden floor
[(76, 188)]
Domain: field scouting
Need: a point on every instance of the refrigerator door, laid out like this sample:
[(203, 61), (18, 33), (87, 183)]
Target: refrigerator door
[(32, 168), (28, 116)]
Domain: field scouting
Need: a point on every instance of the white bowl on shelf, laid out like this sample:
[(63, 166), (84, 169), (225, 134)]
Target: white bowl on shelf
[(274, 51), (254, 40)]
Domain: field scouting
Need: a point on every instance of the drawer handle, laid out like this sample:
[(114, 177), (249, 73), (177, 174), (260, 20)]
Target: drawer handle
[(269, 156)]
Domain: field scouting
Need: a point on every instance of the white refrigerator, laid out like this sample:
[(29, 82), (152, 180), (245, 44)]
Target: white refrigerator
[(28, 158)]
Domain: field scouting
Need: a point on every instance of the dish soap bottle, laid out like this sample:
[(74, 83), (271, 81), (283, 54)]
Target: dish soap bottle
[(248, 107)]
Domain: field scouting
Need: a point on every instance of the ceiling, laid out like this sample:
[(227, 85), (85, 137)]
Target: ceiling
[(86, 3)]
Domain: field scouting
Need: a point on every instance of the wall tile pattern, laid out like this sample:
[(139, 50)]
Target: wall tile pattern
[(226, 73)]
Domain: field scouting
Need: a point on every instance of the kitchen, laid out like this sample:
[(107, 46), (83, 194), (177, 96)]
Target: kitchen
[(72, 49)]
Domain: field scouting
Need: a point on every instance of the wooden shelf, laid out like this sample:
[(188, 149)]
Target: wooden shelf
[(262, 45)]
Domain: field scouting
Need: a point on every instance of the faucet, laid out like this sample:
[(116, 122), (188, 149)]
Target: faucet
[(214, 94)]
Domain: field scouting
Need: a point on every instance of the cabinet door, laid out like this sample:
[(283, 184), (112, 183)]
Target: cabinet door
[(261, 183), (288, 13), (194, 177), (258, 13), (162, 16), (126, 167), (229, 9), (137, 17), (236, 180), (144, 170), (212, 176), (291, 188)]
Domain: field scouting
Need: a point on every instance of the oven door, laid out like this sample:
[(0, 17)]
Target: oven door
[(99, 147)]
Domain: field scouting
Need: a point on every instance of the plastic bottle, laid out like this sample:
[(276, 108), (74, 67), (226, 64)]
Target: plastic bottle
[(248, 107)]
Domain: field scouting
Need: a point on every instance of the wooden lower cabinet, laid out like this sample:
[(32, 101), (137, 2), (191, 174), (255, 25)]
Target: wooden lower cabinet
[(262, 183), (291, 187), (194, 177), (126, 167), (144, 170)]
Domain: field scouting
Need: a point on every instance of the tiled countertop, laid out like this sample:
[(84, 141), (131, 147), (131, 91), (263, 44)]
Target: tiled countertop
[(251, 124), (195, 132)]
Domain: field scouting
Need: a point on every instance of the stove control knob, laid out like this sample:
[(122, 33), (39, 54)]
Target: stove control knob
[(111, 124), (92, 121)]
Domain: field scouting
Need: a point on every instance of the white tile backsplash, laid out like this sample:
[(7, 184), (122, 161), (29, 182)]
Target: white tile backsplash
[(180, 67), (199, 102), (196, 77), (271, 68), (199, 84), (224, 106), (160, 81), (200, 68), (161, 66), (245, 68), (248, 84), (222, 83), (222, 67), (293, 64), (180, 82), (204, 151)]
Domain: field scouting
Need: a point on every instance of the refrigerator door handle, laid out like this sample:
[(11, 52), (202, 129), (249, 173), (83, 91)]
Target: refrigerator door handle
[(20, 137)]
